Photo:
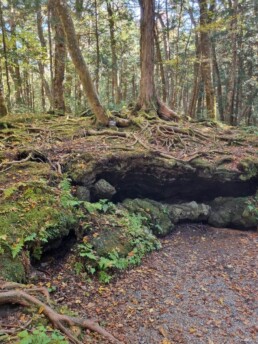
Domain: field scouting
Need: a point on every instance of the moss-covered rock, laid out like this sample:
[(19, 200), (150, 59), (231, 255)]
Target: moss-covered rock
[(156, 214), (248, 168), (112, 239), (188, 212), (12, 269), (32, 214), (234, 212)]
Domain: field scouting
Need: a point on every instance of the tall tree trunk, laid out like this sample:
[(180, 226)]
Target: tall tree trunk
[(148, 99), (206, 68), (59, 61), (116, 94), (16, 75), (218, 78), (97, 45), (79, 62), (161, 67), (5, 57), (197, 76), (231, 89), (50, 53), (3, 108), (45, 89)]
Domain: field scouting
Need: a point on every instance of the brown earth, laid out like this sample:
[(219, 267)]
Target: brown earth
[(201, 287)]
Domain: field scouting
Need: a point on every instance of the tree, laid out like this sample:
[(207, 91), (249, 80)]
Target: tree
[(79, 62), (205, 49), (3, 108), (148, 99), (59, 61)]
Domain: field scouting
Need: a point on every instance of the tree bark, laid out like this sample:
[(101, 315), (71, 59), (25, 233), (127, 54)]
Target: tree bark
[(231, 89), (116, 94), (206, 59), (3, 108), (59, 62), (161, 67), (45, 89), (97, 45), (148, 99), (79, 62), (5, 57)]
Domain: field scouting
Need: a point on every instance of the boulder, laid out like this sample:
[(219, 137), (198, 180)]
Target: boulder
[(232, 212), (103, 190), (191, 211), (155, 214), (83, 193)]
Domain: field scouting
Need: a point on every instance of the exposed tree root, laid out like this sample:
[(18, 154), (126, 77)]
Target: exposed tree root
[(166, 113), (11, 293)]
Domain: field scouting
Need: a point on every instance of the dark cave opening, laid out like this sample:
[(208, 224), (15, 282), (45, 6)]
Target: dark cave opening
[(185, 188)]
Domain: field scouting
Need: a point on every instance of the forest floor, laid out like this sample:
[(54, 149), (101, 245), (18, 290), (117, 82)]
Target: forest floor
[(201, 287)]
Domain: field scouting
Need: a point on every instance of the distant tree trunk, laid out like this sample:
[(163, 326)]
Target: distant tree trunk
[(5, 57), (97, 46), (3, 108), (45, 89), (148, 99), (16, 75), (116, 94), (231, 89), (59, 61), (197, 79), (50, 53), (206, 59), (161, 67), (219, 84), (79, 62)]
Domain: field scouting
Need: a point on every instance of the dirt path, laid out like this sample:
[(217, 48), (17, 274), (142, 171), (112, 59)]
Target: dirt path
[(202, 287)]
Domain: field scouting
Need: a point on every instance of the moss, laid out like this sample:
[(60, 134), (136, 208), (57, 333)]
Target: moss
[(112, 239), (155, 213), (12, 269), (249, 168), (32, 214)]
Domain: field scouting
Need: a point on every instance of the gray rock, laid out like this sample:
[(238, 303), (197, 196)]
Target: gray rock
[(188, 212), (83, 193), (232, 212), (104, 190)]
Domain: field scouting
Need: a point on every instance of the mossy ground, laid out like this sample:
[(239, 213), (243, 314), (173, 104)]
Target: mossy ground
[(32, 211)]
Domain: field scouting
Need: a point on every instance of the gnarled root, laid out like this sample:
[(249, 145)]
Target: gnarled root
[(166, 113), (12, 294)]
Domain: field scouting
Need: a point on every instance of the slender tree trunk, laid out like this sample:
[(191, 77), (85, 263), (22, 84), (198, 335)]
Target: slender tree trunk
[(97, 45), (161, 67), (79, 62), (206, 59), (45, 89), (231, 89), (219, 84), (197, 79), (50, 54), (59, 61), (5, 57), (16, 75), (3, 108), (116, 94)]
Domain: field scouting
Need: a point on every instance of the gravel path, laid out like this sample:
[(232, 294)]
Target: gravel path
[(202, 287)]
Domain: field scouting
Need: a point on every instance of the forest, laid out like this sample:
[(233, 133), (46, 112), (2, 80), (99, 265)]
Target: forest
[(128, 171)]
